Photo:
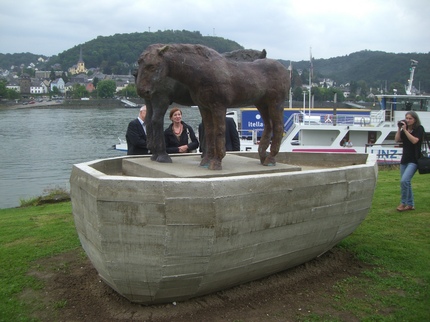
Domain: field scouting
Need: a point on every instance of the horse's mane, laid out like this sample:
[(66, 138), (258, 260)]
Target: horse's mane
[(206, 52), (190, 49)]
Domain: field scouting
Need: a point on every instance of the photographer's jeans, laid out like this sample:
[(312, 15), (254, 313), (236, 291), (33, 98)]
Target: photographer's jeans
[(407, 171)]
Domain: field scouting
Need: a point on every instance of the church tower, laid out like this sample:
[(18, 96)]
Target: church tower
[(79, 68), (81, 65)]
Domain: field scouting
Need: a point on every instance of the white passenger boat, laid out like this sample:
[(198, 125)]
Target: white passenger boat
[(341, 130)]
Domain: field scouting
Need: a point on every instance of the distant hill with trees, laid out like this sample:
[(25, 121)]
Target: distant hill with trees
[(118, 54), (377, 68)]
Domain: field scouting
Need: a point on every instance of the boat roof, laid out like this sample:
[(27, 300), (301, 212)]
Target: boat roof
[(411, 97)]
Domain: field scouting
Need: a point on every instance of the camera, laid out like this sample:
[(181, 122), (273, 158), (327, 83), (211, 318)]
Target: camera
[(401, 123)]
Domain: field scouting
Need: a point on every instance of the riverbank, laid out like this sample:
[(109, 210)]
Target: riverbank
[(102, 102)]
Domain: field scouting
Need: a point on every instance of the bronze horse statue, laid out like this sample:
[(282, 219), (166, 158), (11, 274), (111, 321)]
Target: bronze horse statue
[(166, 92), (215, 83)]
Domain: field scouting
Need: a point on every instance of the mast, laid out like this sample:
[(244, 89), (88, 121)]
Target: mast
[(408, 89), (311, 71), (290, 105)]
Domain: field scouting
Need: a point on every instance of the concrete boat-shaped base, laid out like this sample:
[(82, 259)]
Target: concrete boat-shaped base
[(168, 232)]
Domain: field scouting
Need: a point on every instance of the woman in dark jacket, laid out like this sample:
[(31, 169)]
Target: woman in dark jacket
[(179, 136), (410, 133)]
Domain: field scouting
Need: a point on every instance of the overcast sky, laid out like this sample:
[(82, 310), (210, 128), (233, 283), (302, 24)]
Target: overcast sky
[(287, 29)]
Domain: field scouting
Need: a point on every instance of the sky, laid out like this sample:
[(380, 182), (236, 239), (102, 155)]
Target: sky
[(287, 29)]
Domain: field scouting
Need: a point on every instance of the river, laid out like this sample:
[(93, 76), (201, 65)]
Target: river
[(40, 145)]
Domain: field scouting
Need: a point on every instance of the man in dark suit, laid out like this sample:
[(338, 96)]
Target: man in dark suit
[(232, 141), (136, 135)]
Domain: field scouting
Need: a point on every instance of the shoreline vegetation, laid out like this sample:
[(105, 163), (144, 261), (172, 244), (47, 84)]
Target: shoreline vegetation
[(93, 102), (393, 247)]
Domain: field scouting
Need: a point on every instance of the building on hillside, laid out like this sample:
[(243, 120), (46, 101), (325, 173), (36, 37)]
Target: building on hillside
[(68, 88), (58, 83), (327, 82), (90, 87), (79, 68), (25, 83), (47, 74), (81, 79), (13, 85), (38, 87)]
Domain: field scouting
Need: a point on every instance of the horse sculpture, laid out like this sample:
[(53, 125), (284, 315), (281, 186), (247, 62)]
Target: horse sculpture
[(215, 83), (167, 91)]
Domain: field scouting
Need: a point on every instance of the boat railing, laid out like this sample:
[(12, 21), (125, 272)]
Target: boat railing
[(290, 124), (250, 135), (375, 118)]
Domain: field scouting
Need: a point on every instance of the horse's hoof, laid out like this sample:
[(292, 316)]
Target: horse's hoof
[(263, 157), (154, 157), (269, 162), (164, 159), (204, 164), (215, 165)]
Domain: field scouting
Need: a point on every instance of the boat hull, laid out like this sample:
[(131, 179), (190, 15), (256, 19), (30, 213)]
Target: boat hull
[(158, 233)]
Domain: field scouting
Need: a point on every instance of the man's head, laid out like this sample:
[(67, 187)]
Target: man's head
[(142, 112)]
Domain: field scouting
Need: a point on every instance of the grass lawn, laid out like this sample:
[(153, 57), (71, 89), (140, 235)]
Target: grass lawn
[(396, 247)]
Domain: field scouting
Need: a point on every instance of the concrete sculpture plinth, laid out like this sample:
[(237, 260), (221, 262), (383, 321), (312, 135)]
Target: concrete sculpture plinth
[(159, 232)]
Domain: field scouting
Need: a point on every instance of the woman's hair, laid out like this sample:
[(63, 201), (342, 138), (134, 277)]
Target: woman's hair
[(416, 118), (173, 111)]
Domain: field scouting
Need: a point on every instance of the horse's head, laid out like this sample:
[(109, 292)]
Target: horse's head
[(151, 70)]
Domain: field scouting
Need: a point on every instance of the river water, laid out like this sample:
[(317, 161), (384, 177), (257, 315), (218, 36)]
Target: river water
[(40, 145)]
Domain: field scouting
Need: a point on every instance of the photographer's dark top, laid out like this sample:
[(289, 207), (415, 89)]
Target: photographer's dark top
[(411, 152)]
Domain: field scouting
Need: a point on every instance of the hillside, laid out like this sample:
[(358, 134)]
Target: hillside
[(116, 55), (374, 67)]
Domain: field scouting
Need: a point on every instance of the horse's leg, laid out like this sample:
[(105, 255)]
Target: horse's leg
[(149, 130), (156, 133), (206, 119), (218, 119), (267, 133), (277, 119)]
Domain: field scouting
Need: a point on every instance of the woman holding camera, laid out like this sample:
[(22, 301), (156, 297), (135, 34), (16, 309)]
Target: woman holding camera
[(410, 133)]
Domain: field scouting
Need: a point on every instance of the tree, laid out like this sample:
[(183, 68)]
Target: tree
[(79, 91), (65, 77), (399, 87), (3, 89), (106, 88), (95, 81), (297, 94), (55, 91), (12, 94), (128, 91)]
